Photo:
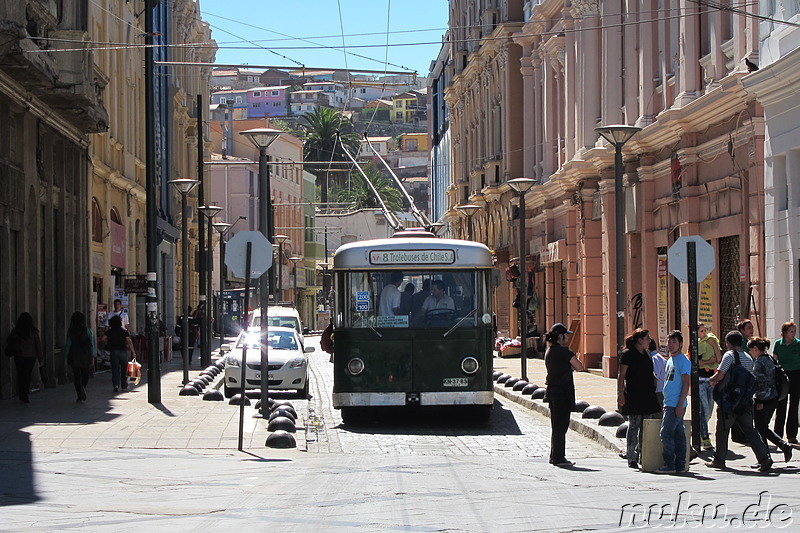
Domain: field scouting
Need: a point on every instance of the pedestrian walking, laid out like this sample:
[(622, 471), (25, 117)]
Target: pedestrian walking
[(738, 412), (766, 396), (636, 390), (676, 388), (708, 357), (118, 343), (560, 362), (79, 353), (745, 327), (25, 346), (787, 352)]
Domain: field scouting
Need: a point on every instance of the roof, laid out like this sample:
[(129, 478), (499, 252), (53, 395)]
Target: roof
[(376, 139), (223, 72), (301, 73), (271, 88)]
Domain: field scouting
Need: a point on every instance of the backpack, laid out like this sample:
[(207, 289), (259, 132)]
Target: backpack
[(735, 393), (781, 381)]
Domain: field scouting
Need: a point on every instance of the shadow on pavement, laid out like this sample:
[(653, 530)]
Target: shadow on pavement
[(442, 421)]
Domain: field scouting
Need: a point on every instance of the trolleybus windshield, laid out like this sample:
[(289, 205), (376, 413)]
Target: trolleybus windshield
[(421, 299)]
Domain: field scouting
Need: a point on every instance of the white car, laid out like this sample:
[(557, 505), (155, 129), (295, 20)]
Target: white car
[(288, 363)]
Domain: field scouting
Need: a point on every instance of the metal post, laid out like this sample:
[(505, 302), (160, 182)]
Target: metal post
[(205, 337), (691, 253), (185, 288), (619, 251), (153, 330), (209, 288), (265, 225), (279, 284), (243, 379), (220, 302), (523, 290)]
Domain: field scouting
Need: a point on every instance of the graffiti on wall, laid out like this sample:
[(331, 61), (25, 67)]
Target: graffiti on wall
[(636, 306)]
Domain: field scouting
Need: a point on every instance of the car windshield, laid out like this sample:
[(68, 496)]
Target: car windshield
[(277, 322), (421, 299), (279, 340)]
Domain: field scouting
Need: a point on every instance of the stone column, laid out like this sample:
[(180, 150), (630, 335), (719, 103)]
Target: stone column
[(589, 52), (528, 113), (689, 81), (648, 62), (632, 48), (612, 63), (570, 91)]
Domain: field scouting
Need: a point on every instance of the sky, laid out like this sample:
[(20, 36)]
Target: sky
[(294, 33)]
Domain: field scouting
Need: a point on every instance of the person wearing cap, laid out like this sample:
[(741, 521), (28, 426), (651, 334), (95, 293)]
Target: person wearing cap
[(560, 362)]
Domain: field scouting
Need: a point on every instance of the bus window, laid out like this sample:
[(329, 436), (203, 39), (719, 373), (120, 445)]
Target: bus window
[(441, 298)]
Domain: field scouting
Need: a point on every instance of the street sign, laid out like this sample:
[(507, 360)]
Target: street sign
[(236, 251), (678, 258)]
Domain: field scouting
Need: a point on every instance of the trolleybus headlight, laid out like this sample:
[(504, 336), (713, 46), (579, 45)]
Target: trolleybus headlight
[(355, 366), (469, 365)]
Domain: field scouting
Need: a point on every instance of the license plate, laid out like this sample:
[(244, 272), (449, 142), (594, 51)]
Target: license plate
[(455, 382)]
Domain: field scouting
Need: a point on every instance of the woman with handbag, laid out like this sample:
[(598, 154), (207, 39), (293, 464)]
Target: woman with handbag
[(787, 352), (25, 346), (118, 342), (767, 394), (79, 353)]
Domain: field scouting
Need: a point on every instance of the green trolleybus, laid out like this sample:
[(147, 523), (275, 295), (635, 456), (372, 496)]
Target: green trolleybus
[(429, 345)]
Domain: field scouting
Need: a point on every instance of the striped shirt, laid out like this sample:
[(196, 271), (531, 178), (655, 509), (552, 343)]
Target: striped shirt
[(729, 359)]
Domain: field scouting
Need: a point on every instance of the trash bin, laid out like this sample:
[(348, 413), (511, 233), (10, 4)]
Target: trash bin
[(652, 452)]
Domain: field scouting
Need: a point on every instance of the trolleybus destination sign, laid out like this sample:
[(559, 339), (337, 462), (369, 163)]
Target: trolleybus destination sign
[(412, 257)]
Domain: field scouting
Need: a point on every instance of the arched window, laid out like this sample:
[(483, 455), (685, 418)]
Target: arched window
[(115, 216), (97, 222)]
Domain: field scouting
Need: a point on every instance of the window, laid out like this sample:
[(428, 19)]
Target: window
[(238, 99), (115, 216), (399, 103), (276, 104), (364, 90), (464, 299), (276, 93), (399, 114), (251, 78), (256, 93), (221, 99), (97, 222), (256, 104)]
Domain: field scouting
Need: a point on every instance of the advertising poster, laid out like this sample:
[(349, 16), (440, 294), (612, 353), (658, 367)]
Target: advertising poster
[(704, 302), (663, 307)]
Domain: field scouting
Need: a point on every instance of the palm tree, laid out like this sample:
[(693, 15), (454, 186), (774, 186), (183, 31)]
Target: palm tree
[(360, 194), (320, 142)]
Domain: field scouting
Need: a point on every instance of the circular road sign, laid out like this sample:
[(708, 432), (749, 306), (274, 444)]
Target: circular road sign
[(678, 258), (260, 254)]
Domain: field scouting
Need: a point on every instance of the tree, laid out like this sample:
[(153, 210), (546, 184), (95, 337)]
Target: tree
[(360, 194), (320, 142)]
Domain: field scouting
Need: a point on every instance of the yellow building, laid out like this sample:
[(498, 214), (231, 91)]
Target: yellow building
[(404, 106), (117, 157)]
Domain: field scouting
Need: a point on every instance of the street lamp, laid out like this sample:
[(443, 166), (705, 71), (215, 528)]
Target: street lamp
[(280, 239), (618, 135), (261, 139), (468, 211), (222, 228), (521, 186), (295, 259), (209, 211), (185, 186)]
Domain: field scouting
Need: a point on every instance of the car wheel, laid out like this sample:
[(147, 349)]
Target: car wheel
[(230, 392), (352, 415), (303, 393)]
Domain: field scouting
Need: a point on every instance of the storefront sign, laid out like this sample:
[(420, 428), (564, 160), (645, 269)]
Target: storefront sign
[(135, 286), (412, 257), (553, 252)]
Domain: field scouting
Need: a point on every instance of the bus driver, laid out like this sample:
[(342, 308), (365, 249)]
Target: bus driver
[(438, 299)]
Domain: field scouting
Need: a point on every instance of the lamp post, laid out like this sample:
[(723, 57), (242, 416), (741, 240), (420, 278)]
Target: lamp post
[(468, 211), (521, 186), (209, 211), (618, 135), (294, 259), (280, 239), (184, 186), (222, 228)]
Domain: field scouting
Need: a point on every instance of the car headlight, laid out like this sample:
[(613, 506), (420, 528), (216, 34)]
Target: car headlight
[(469, 365), (297, 362), (355, 366), (233, 362)]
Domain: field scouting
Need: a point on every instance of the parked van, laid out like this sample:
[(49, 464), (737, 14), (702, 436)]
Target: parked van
[(284, 317)]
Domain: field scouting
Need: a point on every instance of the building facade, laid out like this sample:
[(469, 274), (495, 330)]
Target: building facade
[(51, 101), (519, 107)]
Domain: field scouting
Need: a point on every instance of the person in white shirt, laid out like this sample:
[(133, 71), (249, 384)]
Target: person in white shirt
[(390, 296), (120, 312)]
